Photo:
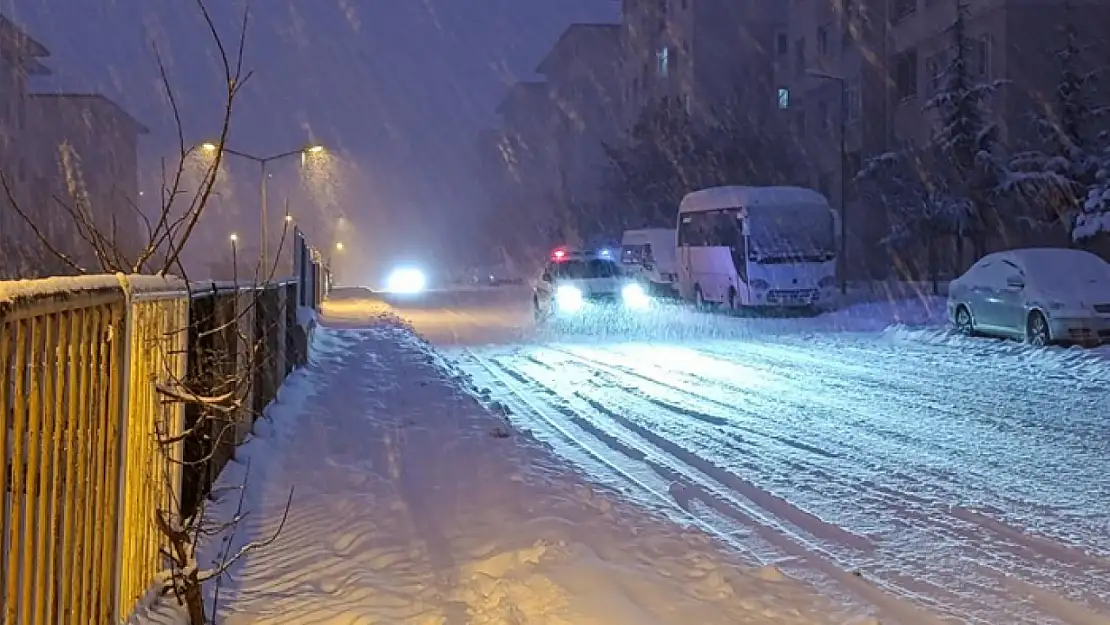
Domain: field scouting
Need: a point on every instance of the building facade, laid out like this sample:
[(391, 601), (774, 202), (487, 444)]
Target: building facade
[(60, 153), (714, 57), (20, 58), (86, 149), (524, 148), (870, 66), (582, 83)]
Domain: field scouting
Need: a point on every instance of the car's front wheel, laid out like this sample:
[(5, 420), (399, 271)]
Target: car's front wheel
[(699, 300), (964, 324), (1036, 330)]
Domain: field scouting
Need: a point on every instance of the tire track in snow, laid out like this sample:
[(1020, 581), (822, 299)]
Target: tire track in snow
[(891, 602), (962, 534), (1080, 451), (961, 528), (954, 463)]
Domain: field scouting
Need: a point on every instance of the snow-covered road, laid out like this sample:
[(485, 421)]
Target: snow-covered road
[(903, 468)]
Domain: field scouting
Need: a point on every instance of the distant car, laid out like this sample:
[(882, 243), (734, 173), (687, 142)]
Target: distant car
[(576, 284), (1039, 295), (650, 254)]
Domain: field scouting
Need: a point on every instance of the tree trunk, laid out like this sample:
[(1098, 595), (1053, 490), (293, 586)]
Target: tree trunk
[(931, 255), (194, 601)]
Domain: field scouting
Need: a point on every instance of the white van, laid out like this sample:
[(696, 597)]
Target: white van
[(757, 247), (649, 254)]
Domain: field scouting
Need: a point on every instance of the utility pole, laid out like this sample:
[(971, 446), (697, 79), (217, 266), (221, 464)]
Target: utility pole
[(842, 256)]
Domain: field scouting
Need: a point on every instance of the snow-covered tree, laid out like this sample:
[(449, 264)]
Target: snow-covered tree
[(1064, 173), (1094, 218), (925, 216), (668, 155), (966, 140)]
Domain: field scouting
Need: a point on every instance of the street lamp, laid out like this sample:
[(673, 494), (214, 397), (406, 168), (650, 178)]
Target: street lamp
[(262, 162), (339, 246), (843, 256)]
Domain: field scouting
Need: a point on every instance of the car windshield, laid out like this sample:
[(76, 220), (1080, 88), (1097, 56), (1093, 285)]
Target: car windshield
[(636, 254), (791, 230), (585, 269)]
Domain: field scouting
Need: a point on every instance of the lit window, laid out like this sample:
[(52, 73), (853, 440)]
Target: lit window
[(784, 98), (664, 57)]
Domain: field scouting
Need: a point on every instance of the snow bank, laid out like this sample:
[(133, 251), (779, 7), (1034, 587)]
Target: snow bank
[(13, 290), (1089, 363), (863, 311), (415, 504)]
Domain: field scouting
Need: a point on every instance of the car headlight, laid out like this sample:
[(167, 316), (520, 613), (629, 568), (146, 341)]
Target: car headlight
[(406, 281), (634, 296), (568, 298), (827, 282)]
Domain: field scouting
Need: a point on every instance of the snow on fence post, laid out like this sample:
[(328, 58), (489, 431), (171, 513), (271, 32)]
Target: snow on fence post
[(60, 338)]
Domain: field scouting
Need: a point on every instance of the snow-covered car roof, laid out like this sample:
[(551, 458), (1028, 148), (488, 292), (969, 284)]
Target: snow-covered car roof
[(1053, 258), (717, 198)]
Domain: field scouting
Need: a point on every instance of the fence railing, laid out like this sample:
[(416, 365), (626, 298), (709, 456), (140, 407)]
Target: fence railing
[(88, 369)]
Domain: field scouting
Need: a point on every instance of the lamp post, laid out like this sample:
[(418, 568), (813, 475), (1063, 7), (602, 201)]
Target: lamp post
[(263, 161), (843, 255)]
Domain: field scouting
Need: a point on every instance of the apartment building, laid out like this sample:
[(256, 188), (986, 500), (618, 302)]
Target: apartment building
[(714, 57), (20, 58), (528, 122), (528, 150), (86, 150), (582, 71), (884, 59)]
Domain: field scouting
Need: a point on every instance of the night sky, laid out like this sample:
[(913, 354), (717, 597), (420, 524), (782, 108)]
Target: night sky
[(399, 87)]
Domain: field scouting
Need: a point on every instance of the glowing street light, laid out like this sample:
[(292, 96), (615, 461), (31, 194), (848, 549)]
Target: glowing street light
[(262, 162), (339, 246), (234, 238)]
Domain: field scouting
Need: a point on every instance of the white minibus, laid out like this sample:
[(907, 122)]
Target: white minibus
[(757, 247)]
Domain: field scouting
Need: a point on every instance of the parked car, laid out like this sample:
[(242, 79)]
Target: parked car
[(1039, 295)]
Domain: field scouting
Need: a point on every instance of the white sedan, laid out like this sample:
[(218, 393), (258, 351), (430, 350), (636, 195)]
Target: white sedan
[(1039, 295)]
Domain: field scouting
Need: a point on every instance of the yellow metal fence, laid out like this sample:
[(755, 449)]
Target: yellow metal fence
[(83, 471)]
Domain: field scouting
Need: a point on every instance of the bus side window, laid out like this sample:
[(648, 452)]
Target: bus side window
[(696, 231)]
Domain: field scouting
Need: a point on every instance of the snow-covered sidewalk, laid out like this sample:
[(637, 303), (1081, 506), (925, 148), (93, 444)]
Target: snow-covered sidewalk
[(416, 504)]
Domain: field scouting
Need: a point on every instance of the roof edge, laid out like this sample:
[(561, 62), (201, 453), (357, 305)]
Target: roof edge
[(139, 127)]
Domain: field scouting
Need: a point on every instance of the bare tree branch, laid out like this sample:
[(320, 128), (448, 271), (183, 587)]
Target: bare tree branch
[(42, 238)]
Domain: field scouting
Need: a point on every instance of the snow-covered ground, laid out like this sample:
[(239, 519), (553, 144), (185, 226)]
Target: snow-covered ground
[(868, 451), (882, 464), (416, 503)]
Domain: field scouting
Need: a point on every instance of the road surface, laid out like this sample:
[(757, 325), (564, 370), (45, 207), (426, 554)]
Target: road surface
[(936, 478)]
